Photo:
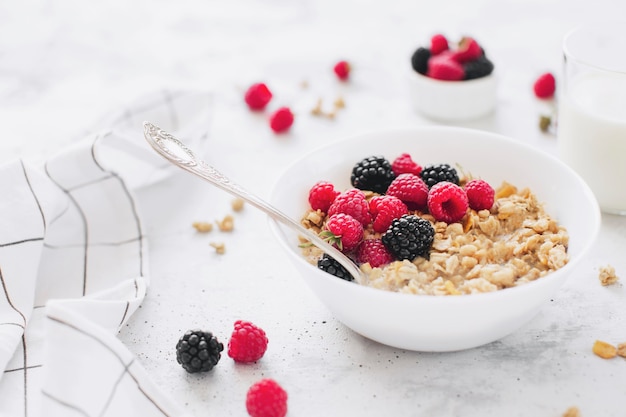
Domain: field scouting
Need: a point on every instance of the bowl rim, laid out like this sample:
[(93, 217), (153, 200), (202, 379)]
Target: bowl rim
[(594, 220)]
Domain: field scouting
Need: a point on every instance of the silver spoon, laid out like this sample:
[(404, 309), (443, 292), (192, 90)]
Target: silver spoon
[(180, 155)]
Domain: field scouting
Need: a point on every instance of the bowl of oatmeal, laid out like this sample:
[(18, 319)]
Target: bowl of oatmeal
[(480, 273)]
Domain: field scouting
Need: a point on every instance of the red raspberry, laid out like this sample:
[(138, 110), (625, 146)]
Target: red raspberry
[(281, 120), (352, 202), (438, 44), (247, 343), (374, 252), (545, 86), (343, 231), (322, 195), (468, 50), (257, 96), (342, 70), (480, 194), (447, 202), (266, 399), (384, 210), (411, 189), (404, 164), (444, 67)]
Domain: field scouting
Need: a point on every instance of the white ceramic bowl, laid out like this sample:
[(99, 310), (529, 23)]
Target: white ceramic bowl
[(452, 101), (440, 323)]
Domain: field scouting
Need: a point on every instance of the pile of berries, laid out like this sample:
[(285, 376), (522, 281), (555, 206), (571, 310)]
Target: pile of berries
[(388, 214), (463, 61), (199, 351), (258, 96)]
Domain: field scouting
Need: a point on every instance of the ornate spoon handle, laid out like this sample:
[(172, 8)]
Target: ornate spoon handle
[(180, 155)]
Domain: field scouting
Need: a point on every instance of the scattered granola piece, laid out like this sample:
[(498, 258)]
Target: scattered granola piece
[(237, 204), (304, 84), (317, 110), (226, 224), (339, 103), (607, 275), (202, 227), (621, 350), (544, 123), (604, 350), (220, 249), (572, 412)]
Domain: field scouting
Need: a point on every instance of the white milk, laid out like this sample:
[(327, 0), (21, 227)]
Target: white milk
[(592, 135)]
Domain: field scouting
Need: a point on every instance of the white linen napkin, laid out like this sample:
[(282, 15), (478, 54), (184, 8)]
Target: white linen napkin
[(74, 266)]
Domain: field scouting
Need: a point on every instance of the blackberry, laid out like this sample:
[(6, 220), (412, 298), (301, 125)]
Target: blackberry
[(408, 237), (478, 68), (432, 174), (198, 351), (373, 173), (419, 60), (330, 265)]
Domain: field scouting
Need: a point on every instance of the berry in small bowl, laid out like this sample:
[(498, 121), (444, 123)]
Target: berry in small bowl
[(452, 82)]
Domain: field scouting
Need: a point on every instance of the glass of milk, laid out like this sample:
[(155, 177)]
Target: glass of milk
[(591, 126)]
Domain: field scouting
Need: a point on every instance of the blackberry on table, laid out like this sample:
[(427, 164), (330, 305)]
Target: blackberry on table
[(419, 60), (408, 237), (432, 174), (198, 351), (330, 265), (478, 68), (373, 173)]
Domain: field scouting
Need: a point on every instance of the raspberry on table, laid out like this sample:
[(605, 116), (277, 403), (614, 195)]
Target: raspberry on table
[(444, 67), (322, 195), (281, 120), (374, 252), (419, 60), (257, 96), (545, 86), (198, 351), (331, 266), (447, 202), (266, 398), (411, 190), (468, 50), (438, 44), (247, 343), (342, 231), (373, 173), (384, 209), (404, 164), (342, 70), (432, 174), (408, 237), (352, 202), (480, 194)]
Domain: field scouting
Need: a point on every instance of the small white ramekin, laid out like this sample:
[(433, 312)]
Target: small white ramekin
[(452, 101)]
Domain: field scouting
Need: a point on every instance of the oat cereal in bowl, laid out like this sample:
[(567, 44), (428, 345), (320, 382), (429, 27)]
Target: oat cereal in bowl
[(463, 235)]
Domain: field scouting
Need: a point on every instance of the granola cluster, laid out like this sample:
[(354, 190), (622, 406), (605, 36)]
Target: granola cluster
[(513, 243)]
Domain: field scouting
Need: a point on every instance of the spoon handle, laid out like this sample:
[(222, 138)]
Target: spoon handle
[(180, 155)]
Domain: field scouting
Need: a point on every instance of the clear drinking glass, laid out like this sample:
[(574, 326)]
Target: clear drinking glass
[(591, 126)]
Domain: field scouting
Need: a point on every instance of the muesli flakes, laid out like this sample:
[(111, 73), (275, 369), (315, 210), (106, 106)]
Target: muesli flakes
[(604, 349), (514, 243), (572, 412), (607, 275)]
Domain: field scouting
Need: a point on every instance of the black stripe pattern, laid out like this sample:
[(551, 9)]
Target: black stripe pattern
[(74, 233)]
